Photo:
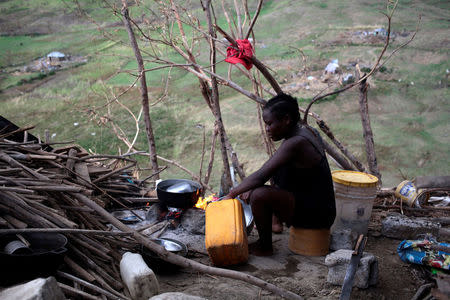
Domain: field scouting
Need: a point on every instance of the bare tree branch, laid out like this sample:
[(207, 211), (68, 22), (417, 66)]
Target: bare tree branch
[(259, 65), (143, 88), (215, 101), (227, 17), (211, 153), (367, 129), (255, 17)]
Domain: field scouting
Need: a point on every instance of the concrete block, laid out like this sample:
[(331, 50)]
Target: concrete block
[(338, 261), (38, 289), (176, 296), (400, 227), (343, 239), (139, 279)]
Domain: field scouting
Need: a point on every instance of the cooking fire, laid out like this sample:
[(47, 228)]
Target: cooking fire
[(203, 202)]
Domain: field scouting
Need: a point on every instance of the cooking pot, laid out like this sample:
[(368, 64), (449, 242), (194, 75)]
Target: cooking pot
[(178, 193), (44, 256)]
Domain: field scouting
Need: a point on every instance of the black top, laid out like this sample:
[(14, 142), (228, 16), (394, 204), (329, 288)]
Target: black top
[(312, 187)]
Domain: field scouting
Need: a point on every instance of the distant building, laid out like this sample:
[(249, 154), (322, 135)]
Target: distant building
[(55, 55)]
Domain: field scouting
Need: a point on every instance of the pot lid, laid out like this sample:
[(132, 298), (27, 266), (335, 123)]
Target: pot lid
[(354, 178)]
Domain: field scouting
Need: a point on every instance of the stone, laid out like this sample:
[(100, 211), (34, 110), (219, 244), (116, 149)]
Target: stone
[(139, 279), (398, 226), (37, 289), (176, 296), (338, 261), (343, 239)]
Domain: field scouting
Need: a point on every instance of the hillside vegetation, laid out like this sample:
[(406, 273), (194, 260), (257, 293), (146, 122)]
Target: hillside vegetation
[(408, 99)]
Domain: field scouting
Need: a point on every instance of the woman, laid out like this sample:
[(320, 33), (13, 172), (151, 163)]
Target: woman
[(302, 194)]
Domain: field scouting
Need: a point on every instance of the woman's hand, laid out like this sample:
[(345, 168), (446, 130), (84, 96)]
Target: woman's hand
[(246, 196), (226, 197)]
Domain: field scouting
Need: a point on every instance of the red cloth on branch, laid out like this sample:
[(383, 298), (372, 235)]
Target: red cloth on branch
[(242, 56)]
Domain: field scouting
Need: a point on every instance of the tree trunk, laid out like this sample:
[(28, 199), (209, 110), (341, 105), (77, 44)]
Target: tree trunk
[(367, 130), (339, 159), (324, 127), (226, 184), (143, 90)]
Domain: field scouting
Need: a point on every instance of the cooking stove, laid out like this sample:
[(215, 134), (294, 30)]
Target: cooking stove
[(171, 214)]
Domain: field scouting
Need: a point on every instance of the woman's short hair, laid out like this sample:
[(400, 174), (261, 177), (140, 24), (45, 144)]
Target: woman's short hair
[(284, 104)]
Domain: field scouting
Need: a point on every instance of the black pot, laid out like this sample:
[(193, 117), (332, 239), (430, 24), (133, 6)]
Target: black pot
[(182, 199), (45, 255)]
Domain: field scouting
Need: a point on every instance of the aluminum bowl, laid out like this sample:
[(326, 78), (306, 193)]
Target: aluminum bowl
[(173, 246), (157, 264)]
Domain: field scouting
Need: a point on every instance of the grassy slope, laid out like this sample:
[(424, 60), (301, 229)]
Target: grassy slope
[(409, 104)]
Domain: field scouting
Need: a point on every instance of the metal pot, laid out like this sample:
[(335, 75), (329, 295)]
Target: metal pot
[(178, 193), (248, 215), (159, 265), (45, 255)]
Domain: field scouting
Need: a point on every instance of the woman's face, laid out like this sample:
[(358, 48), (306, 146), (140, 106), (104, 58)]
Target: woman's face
[(276, 129)]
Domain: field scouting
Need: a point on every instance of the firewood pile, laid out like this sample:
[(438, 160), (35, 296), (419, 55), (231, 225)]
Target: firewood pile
[(42, 190)]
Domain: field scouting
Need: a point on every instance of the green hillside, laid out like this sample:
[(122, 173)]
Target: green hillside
[(408, 98)]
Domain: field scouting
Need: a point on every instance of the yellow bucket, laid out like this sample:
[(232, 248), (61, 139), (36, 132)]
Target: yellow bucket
[(354, 178), (309, 242), (354, 193)]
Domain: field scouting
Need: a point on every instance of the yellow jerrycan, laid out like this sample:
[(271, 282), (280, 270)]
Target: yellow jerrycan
[(225, 232)]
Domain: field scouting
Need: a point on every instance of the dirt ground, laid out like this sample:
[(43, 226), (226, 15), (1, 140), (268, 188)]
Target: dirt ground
[(305, 276)]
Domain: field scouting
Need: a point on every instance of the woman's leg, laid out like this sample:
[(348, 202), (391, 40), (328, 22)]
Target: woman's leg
[(265, 201), (277, 226)]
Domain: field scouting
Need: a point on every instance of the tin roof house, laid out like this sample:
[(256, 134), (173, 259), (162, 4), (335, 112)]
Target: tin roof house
[(56, 56)]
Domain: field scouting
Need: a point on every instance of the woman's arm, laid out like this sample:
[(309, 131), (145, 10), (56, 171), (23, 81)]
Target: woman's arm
[(287, 152)]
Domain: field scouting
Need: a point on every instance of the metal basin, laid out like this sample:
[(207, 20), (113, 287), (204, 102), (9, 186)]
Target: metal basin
[(249, 221), (170, 245), (157, 264), (44, 256), (125, 216)]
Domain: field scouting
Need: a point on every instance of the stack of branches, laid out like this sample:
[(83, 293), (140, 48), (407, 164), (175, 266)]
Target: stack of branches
[(40, 191)]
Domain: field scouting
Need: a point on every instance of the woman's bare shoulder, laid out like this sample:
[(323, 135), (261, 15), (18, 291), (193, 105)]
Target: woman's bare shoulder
[(301, 144), (296, 141)]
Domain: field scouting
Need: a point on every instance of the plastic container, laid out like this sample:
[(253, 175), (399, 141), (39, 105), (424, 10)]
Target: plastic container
[(139, 279), (409, 193), (225, 232), (354, 193), (309, 242)]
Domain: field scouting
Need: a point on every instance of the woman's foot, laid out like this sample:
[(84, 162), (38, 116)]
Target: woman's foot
[(277, 226), (258, 249)]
